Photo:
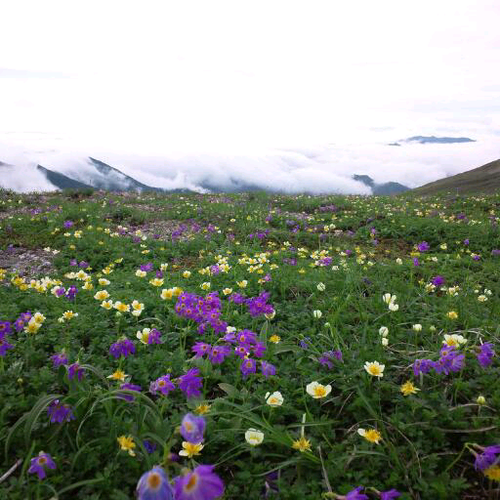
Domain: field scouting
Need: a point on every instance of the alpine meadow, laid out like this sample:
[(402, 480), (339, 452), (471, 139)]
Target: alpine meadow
[(254, 346)]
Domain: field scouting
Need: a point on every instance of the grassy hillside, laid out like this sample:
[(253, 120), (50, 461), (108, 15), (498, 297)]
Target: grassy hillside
[(485, 179)]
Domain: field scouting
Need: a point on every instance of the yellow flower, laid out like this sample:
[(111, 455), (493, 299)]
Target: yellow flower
[(120, 306), (39, 317), (107, 304), (101, 295), (144, 335), (69, 315), (275, 339), (167, 294), (205, 286), (371, 435), (186, 274), (227, 291), (190, 449), (493, 473), (302, 444), (202, 409), (103, 281), (452, 315), (32, 326), (118, 375), (374, 368), (242, 284), (127, 444), (408, 388), (156, 282), (318, 391), (137, 308)]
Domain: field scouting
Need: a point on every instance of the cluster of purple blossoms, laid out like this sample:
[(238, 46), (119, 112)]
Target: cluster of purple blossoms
[(258, 305), (216, 354), (259, 235), (146, 267), (486, 354), (59, 412), (328, 357), (450, 361), (356, 494), (198, 484), (21, 321), (71, 292), (123, 347), (83, 264), (190, 384), (205, 311), (39, 463), (487, 458)]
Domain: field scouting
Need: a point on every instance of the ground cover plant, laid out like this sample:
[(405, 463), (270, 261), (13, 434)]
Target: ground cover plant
[(249, 346)]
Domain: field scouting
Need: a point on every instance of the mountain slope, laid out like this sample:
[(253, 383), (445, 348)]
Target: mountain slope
[(485, 179), (61, 181), (387, 188)]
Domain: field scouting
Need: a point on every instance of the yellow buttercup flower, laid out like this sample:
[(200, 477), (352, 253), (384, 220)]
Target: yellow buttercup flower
[(371, 435), (452, 315), (127, 444), (190, 449), (408, 388), (275, 339), (302, 444), (493, 473), (202, 409), (118, 375)]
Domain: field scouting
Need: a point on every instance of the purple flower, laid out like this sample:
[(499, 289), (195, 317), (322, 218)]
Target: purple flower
[(59, 412), (438, 280), (76, 370), (258, 305), (162, 384), (200, 349), (67, 224), (149, 445), (466, 241), (123, 348), (58, 359), (327, 358), (486, 354), (147, 267), (73, 262), (422, 366), (259, 349), (154, 337), (4, 346), (356, 494), (5, 328), (267, 369), (39, 463), (190, 383), (83, 264), (389, 495), (199, 484), (416, 262), (486, 459), (218, 354), (154, 485), (128, 387), (71, 293), (248, 366), (193, 428), (423, 247)]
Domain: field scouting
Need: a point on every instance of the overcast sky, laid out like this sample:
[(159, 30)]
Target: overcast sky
[(164, 89)]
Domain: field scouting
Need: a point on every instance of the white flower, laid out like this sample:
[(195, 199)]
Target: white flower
[(254, 437), (399, 261), (274, 399), (388, 298), (393, 307), (385, 341), (317, 390), (384, 331), (454, 340), (321, 287), (317, 313), (374, 368), (417, 327)]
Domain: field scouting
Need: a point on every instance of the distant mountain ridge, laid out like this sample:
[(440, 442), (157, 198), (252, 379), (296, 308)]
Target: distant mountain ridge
[(387, 188), (432, 139), (484, 179)]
